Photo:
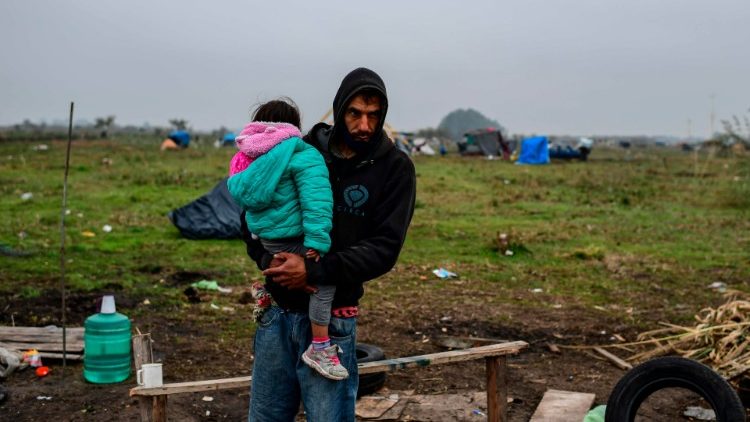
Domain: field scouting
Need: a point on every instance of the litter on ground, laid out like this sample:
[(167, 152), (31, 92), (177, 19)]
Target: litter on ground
[(211, 285), (443, 273)]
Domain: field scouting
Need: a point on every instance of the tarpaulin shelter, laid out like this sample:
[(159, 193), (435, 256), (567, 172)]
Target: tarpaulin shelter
[(180, 137), (534, 151), (228, 139), (488, 142), (214, 215), (567, 152), (422, 146)]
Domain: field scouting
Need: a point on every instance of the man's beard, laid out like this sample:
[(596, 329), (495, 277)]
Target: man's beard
[(354, 144)]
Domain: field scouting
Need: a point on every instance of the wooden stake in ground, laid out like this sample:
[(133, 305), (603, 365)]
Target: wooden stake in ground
[(62, 238)]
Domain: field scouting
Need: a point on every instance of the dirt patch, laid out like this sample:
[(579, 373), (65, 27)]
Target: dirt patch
[(44, 309), (196, 341)]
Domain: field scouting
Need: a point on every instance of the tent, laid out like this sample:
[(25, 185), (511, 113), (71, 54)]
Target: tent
[(180, 137), (488, 142), (422, 146), (228, 139), (534, 151), (567, 152), (214, 215)]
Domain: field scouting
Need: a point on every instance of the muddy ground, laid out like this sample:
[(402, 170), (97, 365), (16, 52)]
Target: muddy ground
[(186, 340)]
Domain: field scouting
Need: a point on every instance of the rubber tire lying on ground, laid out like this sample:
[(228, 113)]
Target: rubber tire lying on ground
[(673, 372), (369, 383)]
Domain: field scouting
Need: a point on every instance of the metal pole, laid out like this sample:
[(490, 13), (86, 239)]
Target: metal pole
[(62, 237)]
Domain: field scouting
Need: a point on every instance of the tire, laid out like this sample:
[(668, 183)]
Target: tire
[(668, 372), (369, 383)]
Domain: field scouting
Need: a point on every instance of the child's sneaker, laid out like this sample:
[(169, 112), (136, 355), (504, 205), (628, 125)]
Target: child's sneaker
[(326, 362)]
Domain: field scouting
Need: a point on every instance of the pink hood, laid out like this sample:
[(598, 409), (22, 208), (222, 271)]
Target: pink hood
[(256, 139)]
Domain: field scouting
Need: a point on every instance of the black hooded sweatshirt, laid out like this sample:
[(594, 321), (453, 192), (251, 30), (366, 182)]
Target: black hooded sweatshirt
[(373, 197)]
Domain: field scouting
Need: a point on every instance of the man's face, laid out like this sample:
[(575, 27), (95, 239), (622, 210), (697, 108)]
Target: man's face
[(362, 117)]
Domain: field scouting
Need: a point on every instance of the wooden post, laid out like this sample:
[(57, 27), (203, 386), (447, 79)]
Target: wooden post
[(152, 409), (160, 408), (497, 389)]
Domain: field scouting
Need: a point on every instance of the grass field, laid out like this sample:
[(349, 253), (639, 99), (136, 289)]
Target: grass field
[(630, 228), (609, 246)]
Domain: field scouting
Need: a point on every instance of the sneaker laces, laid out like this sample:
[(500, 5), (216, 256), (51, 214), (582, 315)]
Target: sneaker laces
[(335, 360)]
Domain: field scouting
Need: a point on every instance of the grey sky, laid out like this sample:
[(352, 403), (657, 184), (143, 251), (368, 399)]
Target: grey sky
[(541, 66)]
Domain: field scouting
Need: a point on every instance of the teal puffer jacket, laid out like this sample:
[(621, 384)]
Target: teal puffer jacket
[(286, 193)]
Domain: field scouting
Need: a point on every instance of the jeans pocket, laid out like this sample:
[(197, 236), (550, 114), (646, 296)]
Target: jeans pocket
[(268, 317)]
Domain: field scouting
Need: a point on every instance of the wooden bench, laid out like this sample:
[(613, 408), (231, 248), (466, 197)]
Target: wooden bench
[(153, 401)]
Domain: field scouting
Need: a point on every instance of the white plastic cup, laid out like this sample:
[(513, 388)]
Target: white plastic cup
[(150, 375)]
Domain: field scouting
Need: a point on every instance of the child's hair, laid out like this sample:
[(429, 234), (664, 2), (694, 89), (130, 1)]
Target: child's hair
[(283, 110)]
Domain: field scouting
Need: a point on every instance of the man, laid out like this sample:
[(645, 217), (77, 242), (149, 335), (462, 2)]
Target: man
[(374, 188)]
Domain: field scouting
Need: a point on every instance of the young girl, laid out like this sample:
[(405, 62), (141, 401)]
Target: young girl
[(282, 184)]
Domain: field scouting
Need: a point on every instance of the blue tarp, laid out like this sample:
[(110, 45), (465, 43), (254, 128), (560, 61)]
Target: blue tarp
[(180, 137), (534, 151), (228, 139), (214, 215)]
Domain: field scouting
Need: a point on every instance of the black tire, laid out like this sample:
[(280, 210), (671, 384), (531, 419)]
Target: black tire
[(369, 383), (669, 372)]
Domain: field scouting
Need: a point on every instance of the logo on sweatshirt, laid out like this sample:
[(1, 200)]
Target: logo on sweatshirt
[(354, 196)]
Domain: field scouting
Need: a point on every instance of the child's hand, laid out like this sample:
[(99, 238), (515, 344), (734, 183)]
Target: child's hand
[(312, 253)]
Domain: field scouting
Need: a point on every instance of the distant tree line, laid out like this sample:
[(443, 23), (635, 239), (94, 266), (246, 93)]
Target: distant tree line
[(101, 128)]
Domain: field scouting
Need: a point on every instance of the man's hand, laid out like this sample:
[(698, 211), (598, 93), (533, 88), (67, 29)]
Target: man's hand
[(290, 272)]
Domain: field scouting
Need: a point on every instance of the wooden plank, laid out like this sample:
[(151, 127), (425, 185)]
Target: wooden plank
[(373, 407), (68, 355), (614, 359), (193, 386), (563, 406), (41, 338), (39, 331), (160, 409), (389, 365), (143, 353), (497, 389), (364, 368), (47, 347)]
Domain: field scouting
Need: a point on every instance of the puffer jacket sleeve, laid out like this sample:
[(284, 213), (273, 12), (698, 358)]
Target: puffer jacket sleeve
[(315, 197)]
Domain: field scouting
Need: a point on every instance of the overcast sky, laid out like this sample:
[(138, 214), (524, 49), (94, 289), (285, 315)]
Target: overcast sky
[(537, 66)]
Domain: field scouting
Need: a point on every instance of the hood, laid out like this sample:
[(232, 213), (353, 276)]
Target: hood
[(257, 138), (357, 80), (254, 188)]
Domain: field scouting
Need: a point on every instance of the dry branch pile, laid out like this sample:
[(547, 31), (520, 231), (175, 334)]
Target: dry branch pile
[(721, 339)]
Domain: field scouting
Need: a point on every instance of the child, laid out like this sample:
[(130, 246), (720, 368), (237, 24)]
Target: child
[(282, 184)]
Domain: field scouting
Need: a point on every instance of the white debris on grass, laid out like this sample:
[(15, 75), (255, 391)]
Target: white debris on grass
[(719, 286)]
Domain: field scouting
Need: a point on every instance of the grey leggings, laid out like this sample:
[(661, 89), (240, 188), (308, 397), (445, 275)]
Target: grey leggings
[(320, 302)]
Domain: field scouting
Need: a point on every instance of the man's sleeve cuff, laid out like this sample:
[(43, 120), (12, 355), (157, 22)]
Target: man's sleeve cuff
[(315, 271), (265, 261)]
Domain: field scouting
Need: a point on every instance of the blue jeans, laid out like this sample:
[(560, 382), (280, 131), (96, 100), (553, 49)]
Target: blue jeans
[(281, 378)]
